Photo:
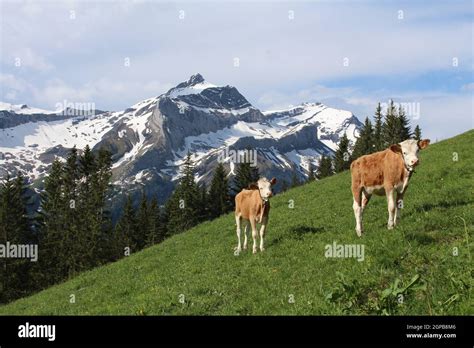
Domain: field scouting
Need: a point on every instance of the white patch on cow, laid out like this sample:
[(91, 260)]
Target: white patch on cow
[(377, 189)]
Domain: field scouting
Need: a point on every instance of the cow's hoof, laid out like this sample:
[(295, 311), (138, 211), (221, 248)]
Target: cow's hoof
[(262, 249), (390, 227), (245, 247), (254, 251), (359, 233)]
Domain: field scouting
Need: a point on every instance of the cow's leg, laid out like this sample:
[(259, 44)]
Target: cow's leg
[(245, 236), (238, 221), (253, 224), (365, 200), (357, 210), (262, 233), (398, 206), (392, 207)]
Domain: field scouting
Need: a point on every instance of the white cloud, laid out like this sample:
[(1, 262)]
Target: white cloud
[(282, 61)]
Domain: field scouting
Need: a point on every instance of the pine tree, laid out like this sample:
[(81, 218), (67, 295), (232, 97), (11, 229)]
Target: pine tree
[(126, 229), (203, 204), (51, 226), (391, 126), (15, 229), (182, 208), (324, 168), (102, 233), (342, 157), (219, 197), (295, 182), (157, 232), (311, 172), (417, 133), (75, 242), (144, 224), (404, 132), (245, 174), (378, 127), (365, 142)]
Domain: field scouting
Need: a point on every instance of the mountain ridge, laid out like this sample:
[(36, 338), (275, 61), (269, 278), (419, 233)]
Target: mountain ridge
[(149, 140)]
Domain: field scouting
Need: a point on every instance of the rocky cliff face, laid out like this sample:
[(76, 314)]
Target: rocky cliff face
[(150, 139)]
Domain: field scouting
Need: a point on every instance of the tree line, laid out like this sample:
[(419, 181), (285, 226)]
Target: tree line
[(73, 228), (389, 128)]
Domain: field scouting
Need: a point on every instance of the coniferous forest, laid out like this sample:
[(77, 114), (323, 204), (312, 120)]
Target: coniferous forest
[(73, 227)]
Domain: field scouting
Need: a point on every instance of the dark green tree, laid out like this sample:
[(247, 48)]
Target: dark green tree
[(144, 224), (325, 167), (14, 229), (404, 132), (365, 142), (157, 232), (295, 182), (182, 208), (51, 226), (246, 174), (311, 172), (391, 126), (417, 133), (342, 156), (378, 129), (126, 229), (219, 198)]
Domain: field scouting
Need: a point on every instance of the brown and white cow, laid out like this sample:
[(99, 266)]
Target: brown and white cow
[(385, 172), (253, 206)]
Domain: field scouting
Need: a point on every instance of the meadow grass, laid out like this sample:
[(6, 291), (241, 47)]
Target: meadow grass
[(422, 267)]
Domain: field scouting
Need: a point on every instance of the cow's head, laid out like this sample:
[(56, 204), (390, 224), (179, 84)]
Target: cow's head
[(265, 187), (409, 151)]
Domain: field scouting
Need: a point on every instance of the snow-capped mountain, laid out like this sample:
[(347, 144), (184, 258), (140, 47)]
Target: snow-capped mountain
[(150, 139)]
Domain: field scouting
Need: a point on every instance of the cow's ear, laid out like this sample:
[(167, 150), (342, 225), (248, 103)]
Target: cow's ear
[(396, 148), (273, 181), (423, 144), (252, 186)]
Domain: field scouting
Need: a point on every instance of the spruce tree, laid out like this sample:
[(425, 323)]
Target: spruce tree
[(378, 126), (324, 168), (311, 172), (51, 227), (157, 232), (144, 224), (75, 237), (102, 232), (365, 142), (391, 126), (295, 182), (126, 229), (246, 174), (219, 197), (182, 208), (14, 229), (417, 133), (404, 132), (342, 157)]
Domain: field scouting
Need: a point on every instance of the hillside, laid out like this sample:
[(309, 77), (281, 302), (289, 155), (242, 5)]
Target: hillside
[(409, 270)]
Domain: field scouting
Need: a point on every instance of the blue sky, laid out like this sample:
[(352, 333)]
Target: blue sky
[(289, 52)]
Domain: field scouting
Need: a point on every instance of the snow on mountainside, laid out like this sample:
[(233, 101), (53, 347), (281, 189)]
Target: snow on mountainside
[(23, 109), (149, 140)]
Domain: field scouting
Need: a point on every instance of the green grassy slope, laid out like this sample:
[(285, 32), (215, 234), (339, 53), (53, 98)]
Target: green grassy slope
[(412, 269)]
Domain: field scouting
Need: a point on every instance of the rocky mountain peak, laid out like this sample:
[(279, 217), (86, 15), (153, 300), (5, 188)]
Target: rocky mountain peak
[(192, 81)]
